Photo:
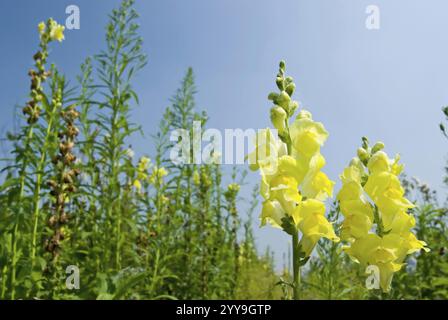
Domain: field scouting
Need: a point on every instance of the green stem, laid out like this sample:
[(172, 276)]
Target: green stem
[(296, 266), (4, 271), (36, 199)]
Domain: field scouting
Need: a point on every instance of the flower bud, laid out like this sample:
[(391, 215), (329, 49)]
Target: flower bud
[(283, 100), (289, 80), (280, 83), (278, 117), (365, 143), (293, 105), (377, 147), (273, 96), (363, 155), (41, 28), (290, 89), (282, 65)]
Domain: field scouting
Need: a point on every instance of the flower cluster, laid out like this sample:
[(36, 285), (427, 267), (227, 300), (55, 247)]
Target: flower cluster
[(376, 222), (141, 172), (142, 175), (48, 32), (51, 31), (292, 184), (157, 175)]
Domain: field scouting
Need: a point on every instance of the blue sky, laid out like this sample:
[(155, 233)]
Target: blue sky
[(387, 84)]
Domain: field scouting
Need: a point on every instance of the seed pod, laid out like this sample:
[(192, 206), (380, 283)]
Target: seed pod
[(64, 218), (51, 184), (52, 221), (27, 110)]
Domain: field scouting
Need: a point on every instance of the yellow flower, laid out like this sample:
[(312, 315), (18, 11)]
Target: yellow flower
[(142, 168), (157, 175), (272, 213), (137, 185), (307, 135), (316, 184), (283, 188), (379, 162), (288, 165), (57, 32), (267, 150), (41, 28), (396, 167), (144, 162), (310, 218), (355, 226), (386, 191), (374, 250), (353, 173), (388, 247), (234, 187)]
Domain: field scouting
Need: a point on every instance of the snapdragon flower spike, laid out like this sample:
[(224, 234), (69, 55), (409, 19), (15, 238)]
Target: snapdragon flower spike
[(47, 31), (376, 222), (292, 184)]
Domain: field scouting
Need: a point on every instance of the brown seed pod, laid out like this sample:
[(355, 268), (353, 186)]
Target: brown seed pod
[(67, 178), (27, 110), (52, 221), (64, 218), (52, 184)]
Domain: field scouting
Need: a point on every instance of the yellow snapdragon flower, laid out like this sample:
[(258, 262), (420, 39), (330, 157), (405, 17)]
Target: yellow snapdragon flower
[(307, 135), (41, 27), (141, 172), (137, 185), (266, 152), (376, 221), (287, 178), (309, 215), (57, 32), (293, 186), (157, 175)]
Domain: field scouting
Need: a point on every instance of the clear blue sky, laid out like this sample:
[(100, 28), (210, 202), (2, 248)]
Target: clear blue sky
[(387, 84)]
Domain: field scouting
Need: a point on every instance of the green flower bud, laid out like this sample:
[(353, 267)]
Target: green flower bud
[(282, 65), (290, 88), (280, 83), (293, 105), (273, 96), (283, 100), (363, 155), (365, 143), (278, 117), (445, 111), (377, 147), (289, 80)]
